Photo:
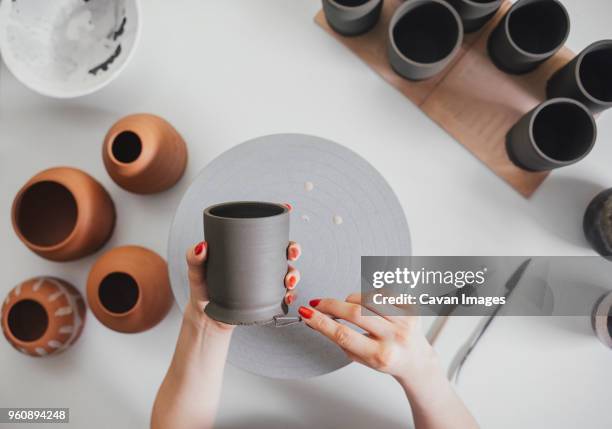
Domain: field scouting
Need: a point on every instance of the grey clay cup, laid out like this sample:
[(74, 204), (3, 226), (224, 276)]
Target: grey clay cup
[(352, 17), (424, 37), (530, 33), (587, 78), (247, 261), (557, 133), (475, 13)]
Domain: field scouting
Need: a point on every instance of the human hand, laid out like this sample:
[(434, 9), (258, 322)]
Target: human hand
[(196, 263), (394, 345)]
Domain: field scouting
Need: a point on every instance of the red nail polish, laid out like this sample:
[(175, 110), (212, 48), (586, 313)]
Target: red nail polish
[(292, 281), (314, 302), (290, 299), (289, 206), (305, 312), (199, 247), (293, 252)]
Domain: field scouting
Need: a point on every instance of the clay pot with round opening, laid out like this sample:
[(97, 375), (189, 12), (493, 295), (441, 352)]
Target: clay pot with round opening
[(63, 214), (144, 154), (530, 33), (424, 37), (587, 78), (43, 316), (555, 134), (128, 289)]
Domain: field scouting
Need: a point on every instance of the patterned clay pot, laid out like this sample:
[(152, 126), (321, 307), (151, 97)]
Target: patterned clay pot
[(43, 316), (597, 224), (128, 289), (144, 154), (63, 214)]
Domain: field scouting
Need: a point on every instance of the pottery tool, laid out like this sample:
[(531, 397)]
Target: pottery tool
[(342, 209), (467, 349)]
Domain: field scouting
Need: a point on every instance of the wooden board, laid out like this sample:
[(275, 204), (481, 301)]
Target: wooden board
[(472, 100)]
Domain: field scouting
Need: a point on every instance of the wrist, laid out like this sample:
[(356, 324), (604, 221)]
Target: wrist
[(424, 367), (195, 316)]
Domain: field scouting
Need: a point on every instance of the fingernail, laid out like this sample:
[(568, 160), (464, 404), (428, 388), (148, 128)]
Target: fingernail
[(290, 299), (199, 247), (289, 206), (292, 281), (314, 302), (305, 312), (293, 253)]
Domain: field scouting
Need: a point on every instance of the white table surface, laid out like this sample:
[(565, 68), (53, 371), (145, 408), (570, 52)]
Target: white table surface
[(226, 71)]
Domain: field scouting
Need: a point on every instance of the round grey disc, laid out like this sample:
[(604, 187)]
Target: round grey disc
[(342, 209)]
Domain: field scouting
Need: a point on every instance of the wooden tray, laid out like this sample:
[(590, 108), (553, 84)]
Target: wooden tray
[(472, 100)]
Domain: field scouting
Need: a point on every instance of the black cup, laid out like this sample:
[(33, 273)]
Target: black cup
[(587, 78), (557, 133), (352, 17), (597, 224), (475, 13), (424, 37), (530, 33)]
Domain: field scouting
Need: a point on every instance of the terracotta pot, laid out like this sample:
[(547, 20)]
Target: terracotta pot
[(43, 316), (144, 154), (247, 261), (63, 214), (128, 289)]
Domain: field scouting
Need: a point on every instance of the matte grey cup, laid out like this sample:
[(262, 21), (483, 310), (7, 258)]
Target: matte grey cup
[(247, 261), (352, 17), (530, 33), (557, 133), (424, 37), (597, 224), (587, 78), (475, 13)]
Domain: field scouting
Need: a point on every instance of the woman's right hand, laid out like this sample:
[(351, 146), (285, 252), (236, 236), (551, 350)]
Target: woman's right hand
[(394, 345)]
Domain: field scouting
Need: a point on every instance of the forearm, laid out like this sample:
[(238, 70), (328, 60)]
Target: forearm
[(189, 395), (434, 402)]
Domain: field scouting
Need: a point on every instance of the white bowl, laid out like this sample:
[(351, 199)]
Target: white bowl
[(68, 48)]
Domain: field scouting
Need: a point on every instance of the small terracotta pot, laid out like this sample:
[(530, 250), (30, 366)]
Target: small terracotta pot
[(63, 214), (43, 316), (128, 289), (144, 154)]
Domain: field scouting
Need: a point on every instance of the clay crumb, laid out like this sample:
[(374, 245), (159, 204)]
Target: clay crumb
[(338, 220), (308, 186), (305, 218)]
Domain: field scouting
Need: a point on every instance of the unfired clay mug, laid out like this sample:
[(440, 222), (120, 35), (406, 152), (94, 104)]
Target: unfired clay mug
[(247, 261)]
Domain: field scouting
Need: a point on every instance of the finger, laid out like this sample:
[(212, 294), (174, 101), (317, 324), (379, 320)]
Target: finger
[(290, 297), (395, 314), (345, 337), (294, 250), (289, 206), (292, 278), (352, 312), (196, 256)]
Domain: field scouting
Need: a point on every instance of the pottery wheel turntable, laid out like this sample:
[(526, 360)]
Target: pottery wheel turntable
[(342, 209)]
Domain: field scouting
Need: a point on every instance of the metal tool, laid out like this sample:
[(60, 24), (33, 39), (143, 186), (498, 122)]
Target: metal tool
[(469, 346)]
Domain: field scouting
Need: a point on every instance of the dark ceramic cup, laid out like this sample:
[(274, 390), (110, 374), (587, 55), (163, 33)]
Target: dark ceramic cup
[(475, 13), (598, 224), (557, 133), (424, 37), (352, 17), (530, 33), (247, 261), (587, 78)]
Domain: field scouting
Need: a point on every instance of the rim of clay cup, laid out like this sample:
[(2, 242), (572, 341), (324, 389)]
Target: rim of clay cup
[(366, 5), (518, 5), (9, 61), (593, 47), (207, 211), (559, 100), (409, 6)]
